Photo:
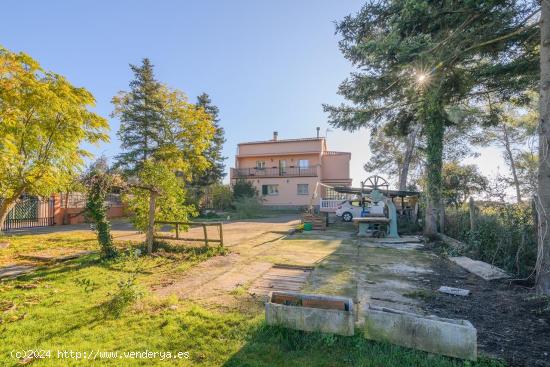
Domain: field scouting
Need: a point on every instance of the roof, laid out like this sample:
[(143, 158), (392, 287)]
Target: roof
[(390, 193), (281, 141)]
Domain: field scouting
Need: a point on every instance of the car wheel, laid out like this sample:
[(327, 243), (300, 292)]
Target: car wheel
[(347, 217)]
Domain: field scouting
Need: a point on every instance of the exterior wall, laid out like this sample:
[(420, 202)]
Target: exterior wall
[(75, 214), (283, 147), (288, 190), (335, 166), (272, 161)]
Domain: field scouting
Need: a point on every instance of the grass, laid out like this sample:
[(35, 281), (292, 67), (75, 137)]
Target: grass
[(53, 243), (89, 305)]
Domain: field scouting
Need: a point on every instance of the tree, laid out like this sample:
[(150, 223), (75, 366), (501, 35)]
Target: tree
[(394, 155), (402, 156), (424, 57), (44, 119), (99, 182), (156, 178), (527, 164), (512, 132), (186, 136), (164, 138), (141, 118), (244, 189), (543, 190), (222, 196), (215, 173), (461, 182)]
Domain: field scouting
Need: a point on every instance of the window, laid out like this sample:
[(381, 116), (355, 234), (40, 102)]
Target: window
[(260, 164), (303, 189), (303, 163), (270, 189)]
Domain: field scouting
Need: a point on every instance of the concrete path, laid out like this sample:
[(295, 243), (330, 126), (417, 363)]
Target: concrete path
[(383, 272), (377, 271)]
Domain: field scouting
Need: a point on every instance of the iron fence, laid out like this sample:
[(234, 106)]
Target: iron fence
[(30, 212)]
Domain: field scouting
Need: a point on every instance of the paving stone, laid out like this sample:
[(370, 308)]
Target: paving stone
[(454, 291), (12, 271), (480, 268)]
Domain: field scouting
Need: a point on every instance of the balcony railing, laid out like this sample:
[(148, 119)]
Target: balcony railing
[(275, 172)]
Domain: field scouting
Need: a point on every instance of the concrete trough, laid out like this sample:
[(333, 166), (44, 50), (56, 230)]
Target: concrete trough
[(454, 338), (308, 312)]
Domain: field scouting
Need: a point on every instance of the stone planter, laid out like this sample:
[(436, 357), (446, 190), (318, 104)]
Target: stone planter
[(308, 312), (454, 338)]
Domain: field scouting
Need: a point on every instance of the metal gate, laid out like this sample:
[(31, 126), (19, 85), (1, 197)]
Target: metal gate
[(30, 212)]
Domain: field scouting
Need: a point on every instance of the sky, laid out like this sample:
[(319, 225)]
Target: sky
[(267, 65)]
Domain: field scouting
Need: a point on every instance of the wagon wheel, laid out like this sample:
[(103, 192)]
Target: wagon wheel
[(375, 182)]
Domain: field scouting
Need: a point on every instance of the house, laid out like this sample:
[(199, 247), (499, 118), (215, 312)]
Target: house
[(291, 172)]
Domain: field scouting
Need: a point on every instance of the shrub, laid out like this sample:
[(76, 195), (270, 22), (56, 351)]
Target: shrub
[(222, 196), (126, 294), (171, 204), (244, 189), (248, 207), (505, 235)]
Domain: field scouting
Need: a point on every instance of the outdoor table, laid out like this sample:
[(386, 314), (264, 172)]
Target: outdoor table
[(365, 222)]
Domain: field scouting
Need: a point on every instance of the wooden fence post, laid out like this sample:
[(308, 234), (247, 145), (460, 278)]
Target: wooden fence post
[(221, 234), (472, 208), (205, 235), (177, 231)]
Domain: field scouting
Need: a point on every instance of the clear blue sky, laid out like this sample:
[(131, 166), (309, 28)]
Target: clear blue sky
[(268, 65)]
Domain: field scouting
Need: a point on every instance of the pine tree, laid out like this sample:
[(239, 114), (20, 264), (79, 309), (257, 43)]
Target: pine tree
[(426, 56), (141, 118), (213, 154)]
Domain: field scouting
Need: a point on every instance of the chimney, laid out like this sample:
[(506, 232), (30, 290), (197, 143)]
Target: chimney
[(275, 135), (318, 128)]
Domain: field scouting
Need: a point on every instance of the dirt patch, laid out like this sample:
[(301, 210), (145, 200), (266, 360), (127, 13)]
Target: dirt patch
[(511, 321)]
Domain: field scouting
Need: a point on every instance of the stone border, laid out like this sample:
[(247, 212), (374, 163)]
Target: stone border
[(454, 338), (308, 312)]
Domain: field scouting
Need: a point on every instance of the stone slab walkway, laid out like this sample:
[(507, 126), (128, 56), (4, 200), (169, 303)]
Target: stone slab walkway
[(480, 268)]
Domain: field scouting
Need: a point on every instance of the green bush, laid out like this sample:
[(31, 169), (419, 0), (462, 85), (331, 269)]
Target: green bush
[(505, 235), (222, 196), (244, 189), (248, 207)]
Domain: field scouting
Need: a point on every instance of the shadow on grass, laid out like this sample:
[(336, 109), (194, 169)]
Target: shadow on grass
[(275, 346)]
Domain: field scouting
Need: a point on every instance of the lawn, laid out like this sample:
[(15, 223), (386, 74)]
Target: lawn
[(90, 306), (52, 243)]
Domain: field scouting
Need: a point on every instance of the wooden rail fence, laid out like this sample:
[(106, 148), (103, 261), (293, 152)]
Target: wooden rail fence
[(204, 226)]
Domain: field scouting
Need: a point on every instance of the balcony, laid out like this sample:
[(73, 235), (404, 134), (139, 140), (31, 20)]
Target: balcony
[(274, 172)]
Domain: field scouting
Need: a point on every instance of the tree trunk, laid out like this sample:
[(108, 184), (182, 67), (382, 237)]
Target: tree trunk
[(6, 205), (543, 189), (433, 116), (409, 152), (151, 225), (508, 148)]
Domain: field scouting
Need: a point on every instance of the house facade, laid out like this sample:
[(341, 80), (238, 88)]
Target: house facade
[(291, 172)]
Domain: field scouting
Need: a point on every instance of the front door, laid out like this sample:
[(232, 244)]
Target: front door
[(282, 167)]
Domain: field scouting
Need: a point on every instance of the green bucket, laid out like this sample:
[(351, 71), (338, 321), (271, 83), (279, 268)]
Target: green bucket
[(308, 226)]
